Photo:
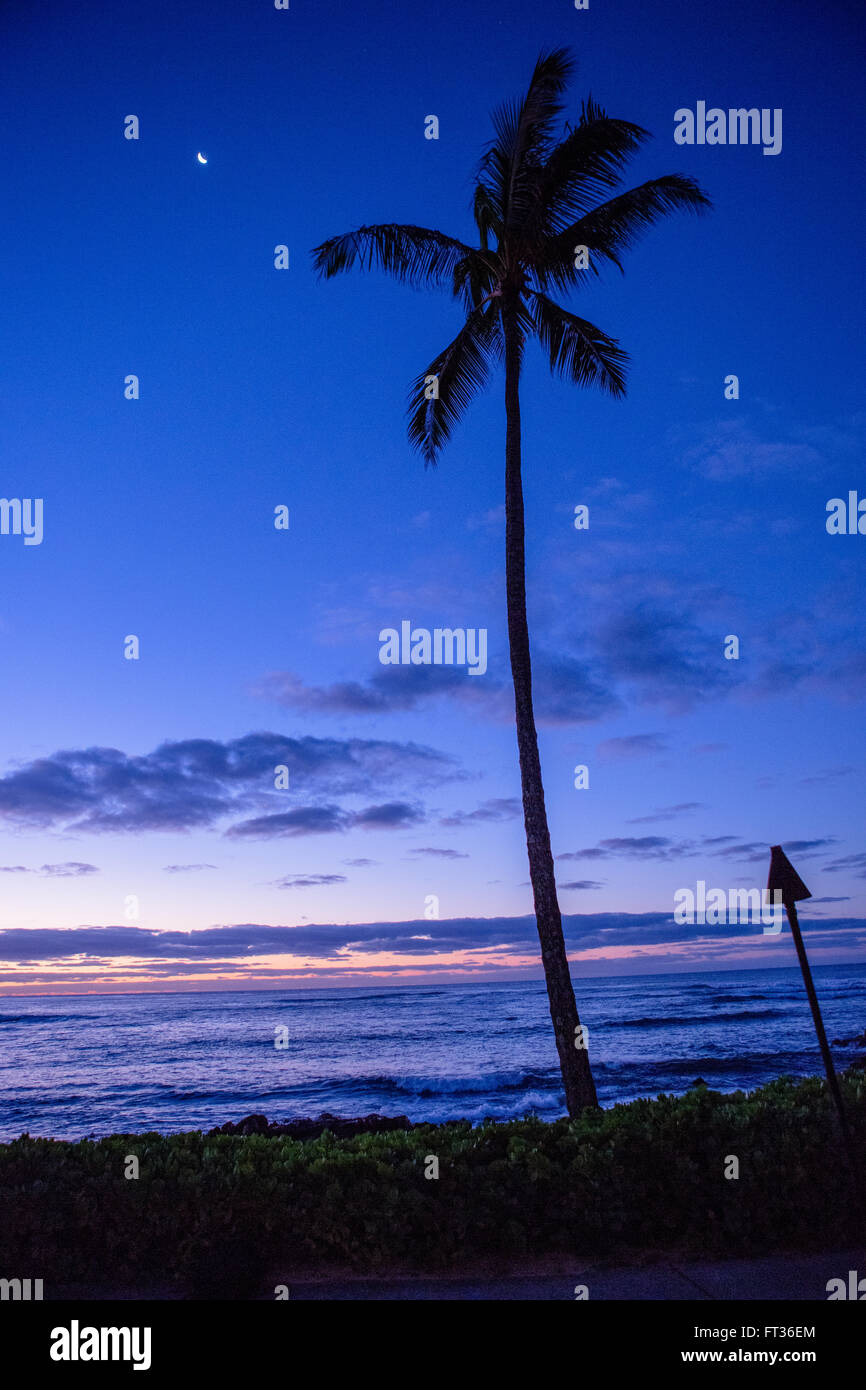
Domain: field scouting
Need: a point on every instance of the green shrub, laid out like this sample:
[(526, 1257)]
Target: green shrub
[(219, 1214)]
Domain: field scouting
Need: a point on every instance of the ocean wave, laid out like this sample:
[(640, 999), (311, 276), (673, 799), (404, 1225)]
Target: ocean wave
[(48, 1019), (740, 998), (490, 1083), (387, 996), (653, 1021), (757, 1063), (548, 1103)]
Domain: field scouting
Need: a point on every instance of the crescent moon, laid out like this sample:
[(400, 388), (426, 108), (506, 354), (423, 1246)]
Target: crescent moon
[(201, 159)]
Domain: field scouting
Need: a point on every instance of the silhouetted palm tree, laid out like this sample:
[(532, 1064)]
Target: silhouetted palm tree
[(535, 205)]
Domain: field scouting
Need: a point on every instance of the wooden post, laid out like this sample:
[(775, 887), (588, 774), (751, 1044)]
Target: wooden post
[(784, 878)]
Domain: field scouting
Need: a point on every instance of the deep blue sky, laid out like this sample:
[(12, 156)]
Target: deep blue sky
[(261, 387)]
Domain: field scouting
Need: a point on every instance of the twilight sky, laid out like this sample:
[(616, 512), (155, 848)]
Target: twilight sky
[(148, 785)]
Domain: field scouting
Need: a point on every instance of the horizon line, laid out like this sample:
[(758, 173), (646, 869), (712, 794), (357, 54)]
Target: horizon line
[(430, 984)]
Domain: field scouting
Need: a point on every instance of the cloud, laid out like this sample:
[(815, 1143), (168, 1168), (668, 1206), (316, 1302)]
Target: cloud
[(667, 812), (631, 746), (662, 847), (604, 487), (361, 863), (497, 808), (343, 697), (647, 637), (849, 862), (309, 880), (640, 846), (815, 647), (580, 883), (566, 691), (440, 853), (807, 849), (71, 869), (830, 774), (331, 942), (185, 868), (746, 853), (328, 820), (758, 850), (388, 689), (729, 449), (201, 782), (394, 815), (630, 847), (305, 820), (664, 655), (494, 517)]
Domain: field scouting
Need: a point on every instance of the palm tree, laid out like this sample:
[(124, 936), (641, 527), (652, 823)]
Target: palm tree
[(535, 205)]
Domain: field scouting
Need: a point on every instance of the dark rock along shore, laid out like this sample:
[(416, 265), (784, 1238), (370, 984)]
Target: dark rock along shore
[(309, 1128)]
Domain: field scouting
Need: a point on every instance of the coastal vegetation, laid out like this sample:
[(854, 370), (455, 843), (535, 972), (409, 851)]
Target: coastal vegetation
[(227, 1215)]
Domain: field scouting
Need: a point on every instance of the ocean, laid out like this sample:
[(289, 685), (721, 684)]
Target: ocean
[(74, 1066)]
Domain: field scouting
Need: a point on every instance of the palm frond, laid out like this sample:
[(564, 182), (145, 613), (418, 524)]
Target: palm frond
[(585, 166), (577, 349), (475, 278), (536, 200), (488, 216), (615, 226), (524, 128), (414, 255), (523, 137), (461, 371)]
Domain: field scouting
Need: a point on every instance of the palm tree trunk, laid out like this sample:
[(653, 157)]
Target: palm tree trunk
[(574, 1060)]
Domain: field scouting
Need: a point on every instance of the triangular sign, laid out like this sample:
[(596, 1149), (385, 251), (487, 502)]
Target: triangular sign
[(784, 876)]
